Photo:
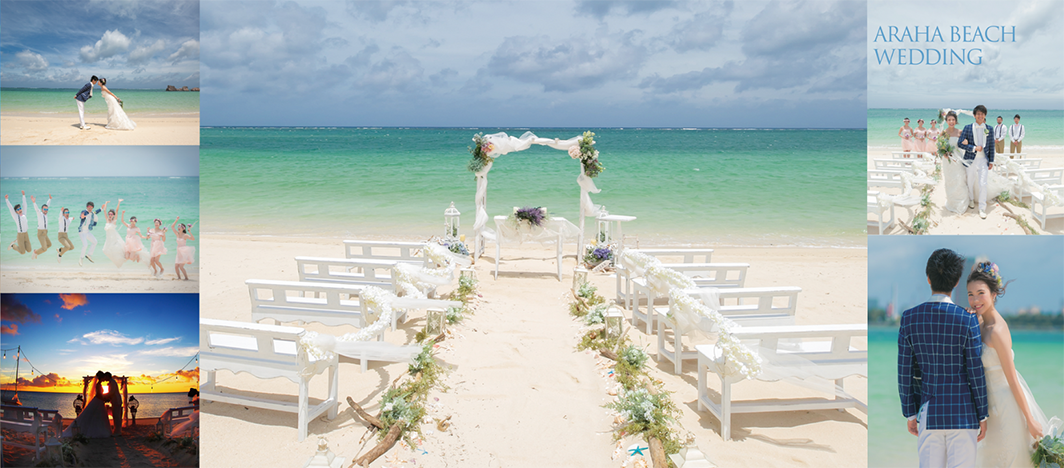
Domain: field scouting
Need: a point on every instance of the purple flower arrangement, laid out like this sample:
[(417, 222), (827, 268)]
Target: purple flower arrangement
[(534, 215), (598, 254)]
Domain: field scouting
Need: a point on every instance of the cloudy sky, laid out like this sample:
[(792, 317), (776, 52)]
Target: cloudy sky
[(543, 63), (147, 337), (134, 44), (1033, 261), (1025, 74)]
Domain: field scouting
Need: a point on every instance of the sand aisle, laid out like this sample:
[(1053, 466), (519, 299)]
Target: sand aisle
[(62, 129)]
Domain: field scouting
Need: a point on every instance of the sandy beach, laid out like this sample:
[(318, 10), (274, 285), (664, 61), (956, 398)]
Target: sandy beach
[(128, 280), (133, 449), (62, 129), (945, 222), (518, 393)]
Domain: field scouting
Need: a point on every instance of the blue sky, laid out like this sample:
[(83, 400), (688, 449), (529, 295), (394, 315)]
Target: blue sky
[(1035, 262), (99, 161), (1024, 74), (616, 63), (73, 335), (134, 44)]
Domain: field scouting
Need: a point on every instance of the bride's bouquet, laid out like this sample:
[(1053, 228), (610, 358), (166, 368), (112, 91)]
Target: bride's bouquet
[(945, 149), (1049, 451)]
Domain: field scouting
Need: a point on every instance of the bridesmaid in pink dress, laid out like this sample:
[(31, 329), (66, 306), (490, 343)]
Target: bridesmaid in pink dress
[(158, 247), (134, 248), (185, 254), (919, 136), (932, 138), (906, 134)]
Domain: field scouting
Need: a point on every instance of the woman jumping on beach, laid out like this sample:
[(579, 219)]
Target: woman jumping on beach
[(134, 248), (185, 253), (158, 247), (113, 247)]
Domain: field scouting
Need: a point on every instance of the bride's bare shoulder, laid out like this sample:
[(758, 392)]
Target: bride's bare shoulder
[(999, 336)]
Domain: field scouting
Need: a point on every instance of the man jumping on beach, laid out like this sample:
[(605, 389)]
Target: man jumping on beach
[(42, 225), (84, 94), (88, 221), (22, 238)]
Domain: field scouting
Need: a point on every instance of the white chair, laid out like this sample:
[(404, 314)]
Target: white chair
[(1042, 212), (172, 417), (879, 210), (286, 301), (827, 346), (1051, 176), (384, 250), (32, 421), (885, 179), (624, 277), (266, 352), (718, 275), (744, 306)]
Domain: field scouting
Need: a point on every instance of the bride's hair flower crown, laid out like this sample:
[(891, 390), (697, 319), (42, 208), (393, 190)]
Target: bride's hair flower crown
[(991, 269)]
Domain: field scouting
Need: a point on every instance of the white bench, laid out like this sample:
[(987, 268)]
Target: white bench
[(384, 250), (1040, 211), (894, 164), (172, 417), (744, 306), (624, 277), (718, 275), (877, 209), (1051, 176), (266, 352), (885, 178), (349, 271), (828, 346), (32, 421), (910, 155)]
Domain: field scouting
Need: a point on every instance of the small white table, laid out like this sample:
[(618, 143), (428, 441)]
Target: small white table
[(616, 220), (556, 229)]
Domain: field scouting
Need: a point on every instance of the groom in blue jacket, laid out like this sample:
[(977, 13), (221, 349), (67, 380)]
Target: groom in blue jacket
[(977, 141), (84, 94), (940, 371)]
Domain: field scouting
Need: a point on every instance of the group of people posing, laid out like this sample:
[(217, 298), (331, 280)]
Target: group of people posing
[(115, 248), (925, 140)]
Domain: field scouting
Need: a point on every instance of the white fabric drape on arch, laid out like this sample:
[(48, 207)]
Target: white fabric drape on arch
[(505, 144)]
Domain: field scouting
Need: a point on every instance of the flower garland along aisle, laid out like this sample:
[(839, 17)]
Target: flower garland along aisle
[(644, 409), (403, 404)]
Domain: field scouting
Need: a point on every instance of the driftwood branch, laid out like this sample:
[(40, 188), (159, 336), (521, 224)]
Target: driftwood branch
[(381, 448), (364, 415), (906, 226), (609, 354), (1018, 222), (657, 453)]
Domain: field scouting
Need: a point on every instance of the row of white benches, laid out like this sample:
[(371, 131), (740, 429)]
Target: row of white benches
[(765, 317), (36, 422)]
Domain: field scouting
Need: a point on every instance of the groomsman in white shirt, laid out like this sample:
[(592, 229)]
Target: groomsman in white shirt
[(42, 225), (22, 225), (1016, 134), (999, 137), (64, 226)]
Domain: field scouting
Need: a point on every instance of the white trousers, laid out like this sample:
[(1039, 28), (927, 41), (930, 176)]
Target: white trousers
[(977, 179), (945, 448), (81, 111), (88, 242)]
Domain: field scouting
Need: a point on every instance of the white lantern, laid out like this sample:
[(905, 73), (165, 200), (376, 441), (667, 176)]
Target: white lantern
[(435, 321), (324, 457), (614, 321), (603, 235), (451, 218), (579, 278)]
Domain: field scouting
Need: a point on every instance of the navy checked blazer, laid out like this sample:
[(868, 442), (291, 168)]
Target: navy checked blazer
[(85, 93), (939, 363), (969, 149)]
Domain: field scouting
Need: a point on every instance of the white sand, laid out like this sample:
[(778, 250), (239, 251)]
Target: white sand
[(520, 394), (62, 129), (945, 222), (131, 278)]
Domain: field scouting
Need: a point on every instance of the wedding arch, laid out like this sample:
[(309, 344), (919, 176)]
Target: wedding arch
[(489, 147), (87, 393)]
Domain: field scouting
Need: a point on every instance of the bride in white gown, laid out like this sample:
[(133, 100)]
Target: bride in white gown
[(93, 422), (116, 116), (1015, 421), (114, 247), (953, 170)]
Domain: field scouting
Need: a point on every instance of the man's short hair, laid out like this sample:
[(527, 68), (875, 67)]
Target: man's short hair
[(94, 78), (1000, 117), (979, 108), (944, 270), (1017, 116), (91, 204)]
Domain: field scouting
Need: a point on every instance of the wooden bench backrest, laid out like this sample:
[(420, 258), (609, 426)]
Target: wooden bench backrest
[(330, 304), (349, 271), (265, 351), (841, 336), (383, 250), (884, 178), (719, 275)]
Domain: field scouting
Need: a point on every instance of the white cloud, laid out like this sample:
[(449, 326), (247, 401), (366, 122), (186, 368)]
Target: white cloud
[(188, 51), (111, 337), (145, 52), (32, 61), (112, 43), (161, 341), (171, 351)]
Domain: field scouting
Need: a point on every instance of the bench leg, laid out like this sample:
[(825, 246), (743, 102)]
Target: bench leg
[(304, 410), (725, 409), (661, 342), (334, 390), (702, 392), (677, 348)]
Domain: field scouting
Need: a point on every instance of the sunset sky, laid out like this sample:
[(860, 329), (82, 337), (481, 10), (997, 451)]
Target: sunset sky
[(146, 337)]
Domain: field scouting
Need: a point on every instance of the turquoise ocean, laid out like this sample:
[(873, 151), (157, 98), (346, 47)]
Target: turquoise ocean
[(31, 101), (1039, 359), (152, 405), (686, 186), (146, 198), (1044, 129)]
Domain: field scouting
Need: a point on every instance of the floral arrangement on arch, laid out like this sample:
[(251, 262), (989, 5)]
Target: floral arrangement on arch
[(534, 216), (587, 154), (481, 151)]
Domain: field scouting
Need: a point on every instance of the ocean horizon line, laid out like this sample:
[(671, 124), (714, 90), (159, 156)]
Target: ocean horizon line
[(465, 127)]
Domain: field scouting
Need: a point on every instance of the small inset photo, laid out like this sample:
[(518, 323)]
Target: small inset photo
[(100, 380), (100, 73), (99, 218)]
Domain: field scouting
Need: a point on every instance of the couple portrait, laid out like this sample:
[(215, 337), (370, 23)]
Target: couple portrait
[(962, 355), (967, 162), (103, 415), (116, 115)]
